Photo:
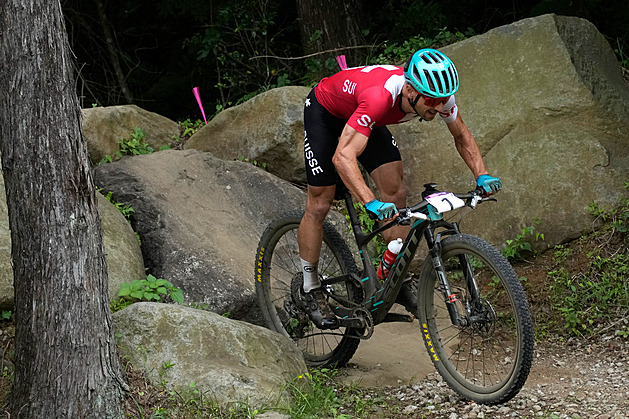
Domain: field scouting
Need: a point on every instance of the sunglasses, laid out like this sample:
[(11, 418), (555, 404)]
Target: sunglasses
[(431, 102)]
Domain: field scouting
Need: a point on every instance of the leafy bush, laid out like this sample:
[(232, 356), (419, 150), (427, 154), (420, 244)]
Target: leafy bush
[(133, 146), (125, 209), (368, 225), (393, 53), (149, 289), (520, 247), (598, 295)]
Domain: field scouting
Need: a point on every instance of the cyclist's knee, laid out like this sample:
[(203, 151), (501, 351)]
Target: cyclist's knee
[(318, 208), (319, 202)]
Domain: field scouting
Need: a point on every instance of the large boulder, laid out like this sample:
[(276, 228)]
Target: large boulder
[(226, 360), (546, 102), (105, 127), (199, 219), (122, 250), (268, 128)]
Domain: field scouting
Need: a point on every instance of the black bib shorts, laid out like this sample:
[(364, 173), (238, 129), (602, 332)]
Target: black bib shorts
[(322, 132)]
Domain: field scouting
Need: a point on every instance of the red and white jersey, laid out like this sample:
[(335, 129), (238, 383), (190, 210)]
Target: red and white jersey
[(368, 96)]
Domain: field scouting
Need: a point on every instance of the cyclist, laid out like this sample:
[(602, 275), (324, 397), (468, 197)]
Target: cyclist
[(345, 118)]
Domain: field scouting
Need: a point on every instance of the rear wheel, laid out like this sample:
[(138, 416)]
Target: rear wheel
[(278, 277), (489, 359)]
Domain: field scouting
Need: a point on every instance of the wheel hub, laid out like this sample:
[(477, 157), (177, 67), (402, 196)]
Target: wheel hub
[(483, 319)]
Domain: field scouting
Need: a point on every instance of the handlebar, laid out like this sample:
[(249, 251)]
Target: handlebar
[(469, 199)]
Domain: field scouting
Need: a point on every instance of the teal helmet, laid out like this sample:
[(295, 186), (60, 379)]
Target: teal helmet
[(431, 73)]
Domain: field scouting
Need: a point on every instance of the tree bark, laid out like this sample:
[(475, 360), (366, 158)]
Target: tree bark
[(340, 25), (66, 365)]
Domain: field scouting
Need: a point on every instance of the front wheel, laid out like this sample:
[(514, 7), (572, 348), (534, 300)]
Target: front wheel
[(278, 278), (488, 359)]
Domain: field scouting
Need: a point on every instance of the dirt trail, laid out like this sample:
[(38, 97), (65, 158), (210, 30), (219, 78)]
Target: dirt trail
[(395, 355)]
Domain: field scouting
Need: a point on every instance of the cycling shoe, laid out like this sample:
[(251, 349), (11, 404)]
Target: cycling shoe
[(318, 309)]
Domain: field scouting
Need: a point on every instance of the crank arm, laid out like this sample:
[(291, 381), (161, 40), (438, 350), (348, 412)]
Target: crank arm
[(352, 322)]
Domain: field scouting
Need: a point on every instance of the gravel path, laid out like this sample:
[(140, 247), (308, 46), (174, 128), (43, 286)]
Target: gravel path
[(567, 380)]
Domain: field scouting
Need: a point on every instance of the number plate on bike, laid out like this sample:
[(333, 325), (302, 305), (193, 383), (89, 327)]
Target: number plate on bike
[(445, 201)]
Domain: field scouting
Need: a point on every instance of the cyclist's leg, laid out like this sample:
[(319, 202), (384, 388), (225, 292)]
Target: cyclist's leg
[(322, 130), (382, 160), (310, 234), (389, 179), (321, 133)]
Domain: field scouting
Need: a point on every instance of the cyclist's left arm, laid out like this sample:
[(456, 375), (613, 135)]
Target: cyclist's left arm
[(467, 147)]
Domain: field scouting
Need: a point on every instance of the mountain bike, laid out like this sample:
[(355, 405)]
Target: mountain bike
[(472, 309)]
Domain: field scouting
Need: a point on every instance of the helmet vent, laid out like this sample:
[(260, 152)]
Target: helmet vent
[(437, 80), (446, 80)]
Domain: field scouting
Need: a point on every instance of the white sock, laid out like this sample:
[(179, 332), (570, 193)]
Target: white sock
[(311, 276)]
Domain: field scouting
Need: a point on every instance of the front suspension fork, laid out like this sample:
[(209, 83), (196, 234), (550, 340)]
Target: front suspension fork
[(449, 296)]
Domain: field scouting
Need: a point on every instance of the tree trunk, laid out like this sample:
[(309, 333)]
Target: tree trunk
[(66, 365), (113, 54), (332, 25)]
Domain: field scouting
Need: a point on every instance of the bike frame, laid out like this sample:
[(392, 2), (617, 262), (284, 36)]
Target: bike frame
[(378, 298)]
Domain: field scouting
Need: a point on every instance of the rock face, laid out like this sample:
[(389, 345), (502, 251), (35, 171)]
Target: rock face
[(227, 360), (199, 219), (122, 250), (546, 102), (104, 127), (268, 128)]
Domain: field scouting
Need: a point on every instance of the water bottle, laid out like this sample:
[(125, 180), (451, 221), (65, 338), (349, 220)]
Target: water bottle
[(389, 257)]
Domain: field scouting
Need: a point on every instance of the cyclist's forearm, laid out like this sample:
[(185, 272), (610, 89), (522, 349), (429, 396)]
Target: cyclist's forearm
[(350, 175), (467, 147), (345, 159), (470, 153)]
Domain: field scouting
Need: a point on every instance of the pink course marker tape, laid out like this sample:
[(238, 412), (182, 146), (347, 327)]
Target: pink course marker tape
[(195, 90), (342, 63)]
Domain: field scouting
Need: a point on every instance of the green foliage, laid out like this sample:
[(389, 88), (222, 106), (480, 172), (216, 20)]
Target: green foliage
[(149, 289), (316, 394), (6, 315), (125, 209), (520, 247), (394, 52), (133, 146), (320, 400), (236, 46), (624, 333), (598, 295), (369, 225), (616, 217), (190, 127)]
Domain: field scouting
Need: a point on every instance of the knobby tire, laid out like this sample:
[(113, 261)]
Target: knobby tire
[(488, 361), (277, 263)]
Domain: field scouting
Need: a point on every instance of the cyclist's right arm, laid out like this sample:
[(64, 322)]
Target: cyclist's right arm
[(351, 145)]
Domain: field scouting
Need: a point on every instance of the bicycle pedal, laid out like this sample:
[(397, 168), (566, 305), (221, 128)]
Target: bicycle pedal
[(395, 317)]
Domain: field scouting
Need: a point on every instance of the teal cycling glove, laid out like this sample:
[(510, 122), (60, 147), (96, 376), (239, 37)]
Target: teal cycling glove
[(488, 183), (381, 210)]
